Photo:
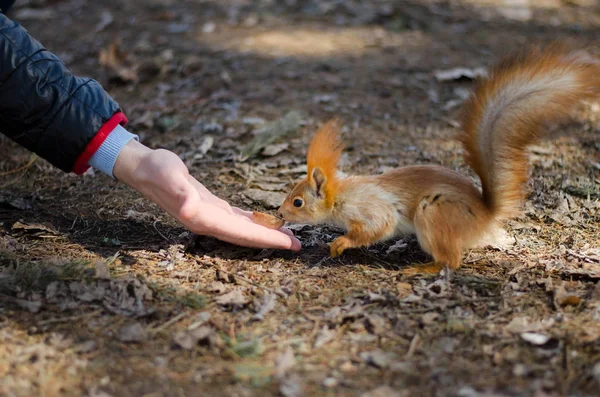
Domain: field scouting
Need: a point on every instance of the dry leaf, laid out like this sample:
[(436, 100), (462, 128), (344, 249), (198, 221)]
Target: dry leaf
[(133, 333), (284, 362), (233, 299), (535, 338), (269, 302), (269, 200), (404, 290), (378, 358), (190, 338), (382, 391), (35, 229), (267, 134), (274, 150), (459, 73), (324, 336), (114, 59), (106, 19)]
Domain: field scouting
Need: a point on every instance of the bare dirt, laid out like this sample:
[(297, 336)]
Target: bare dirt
[(101, 294)]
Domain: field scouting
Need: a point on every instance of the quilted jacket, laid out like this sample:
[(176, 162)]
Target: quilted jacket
[(44, 107)]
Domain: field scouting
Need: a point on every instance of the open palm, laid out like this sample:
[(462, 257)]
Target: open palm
[(161, 176)]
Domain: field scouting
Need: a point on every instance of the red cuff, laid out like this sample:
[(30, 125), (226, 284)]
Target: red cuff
[(81, 165)]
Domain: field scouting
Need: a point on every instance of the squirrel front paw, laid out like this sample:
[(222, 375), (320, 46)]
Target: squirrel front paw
[(339, 245)]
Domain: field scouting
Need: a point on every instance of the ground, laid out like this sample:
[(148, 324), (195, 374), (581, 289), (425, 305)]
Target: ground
[(104, 295)]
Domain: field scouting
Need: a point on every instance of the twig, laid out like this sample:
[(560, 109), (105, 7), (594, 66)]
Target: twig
[(70, 318), (160, 234), (29, 164), (413, 346), (243, 278), (169, 323)]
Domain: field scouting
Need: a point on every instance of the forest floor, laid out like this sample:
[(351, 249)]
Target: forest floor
[(102, 294)]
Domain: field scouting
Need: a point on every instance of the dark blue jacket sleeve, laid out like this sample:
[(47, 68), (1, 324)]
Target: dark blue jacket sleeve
[(5, 5), (43, 106)]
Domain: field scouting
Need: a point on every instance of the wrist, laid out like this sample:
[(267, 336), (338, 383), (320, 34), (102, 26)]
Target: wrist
[(127, 166), (105, 157)]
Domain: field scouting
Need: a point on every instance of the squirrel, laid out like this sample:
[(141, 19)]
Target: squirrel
[(505, 113)]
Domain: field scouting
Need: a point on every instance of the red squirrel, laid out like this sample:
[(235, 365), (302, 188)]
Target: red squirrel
[(505, 113)]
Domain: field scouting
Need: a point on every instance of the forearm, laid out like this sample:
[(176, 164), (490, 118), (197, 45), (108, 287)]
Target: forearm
[(45, 108)]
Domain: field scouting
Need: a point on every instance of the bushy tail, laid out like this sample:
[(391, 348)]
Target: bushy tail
[(508, 110)]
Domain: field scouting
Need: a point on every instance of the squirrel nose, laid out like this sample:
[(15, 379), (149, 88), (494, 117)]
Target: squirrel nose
[(279, 214)]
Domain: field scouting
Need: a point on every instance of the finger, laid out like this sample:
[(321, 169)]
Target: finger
[(291, 243), (287, 231), (250, 216), (237, 230), (239, 211)]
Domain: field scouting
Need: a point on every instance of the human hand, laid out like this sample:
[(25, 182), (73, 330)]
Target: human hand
[(162, 177)]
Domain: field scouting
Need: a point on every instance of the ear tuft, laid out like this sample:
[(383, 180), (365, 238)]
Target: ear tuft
[(319, 180)]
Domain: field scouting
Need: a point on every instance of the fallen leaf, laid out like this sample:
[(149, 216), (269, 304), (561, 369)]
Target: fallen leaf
[(102, 270), (201, 319), (596, 371), (325, 98), (35, 229), (398, 246), (460, 73), (324, 336), (404, 290), (382, 391), (535, 338), (253, 121), (127, 297), (518, 10), (270, 132), (274, 150), (31, 306), (284, 362), (234, 299), (521, 324), (375, 324), (34, 14), (291, 386), (18, 203), (133, 333), (216, 286), (378, 358), (206, 145), (255, 375), (190, 338), (268, 304), (114, 60), (563, 298), (106, 19), (269, 200)]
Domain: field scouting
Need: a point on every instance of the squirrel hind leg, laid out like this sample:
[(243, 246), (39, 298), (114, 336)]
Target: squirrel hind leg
[(432, 267), (445, 224)]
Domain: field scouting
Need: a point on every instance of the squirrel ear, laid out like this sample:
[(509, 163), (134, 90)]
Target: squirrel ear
[(318, 181)]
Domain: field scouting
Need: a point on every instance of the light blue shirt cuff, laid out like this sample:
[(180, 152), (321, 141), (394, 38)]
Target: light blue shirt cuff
[(105, 157)]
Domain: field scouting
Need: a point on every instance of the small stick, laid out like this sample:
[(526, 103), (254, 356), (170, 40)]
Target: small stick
[(169, 323), (70, 318), (413, 346), (159, 233)]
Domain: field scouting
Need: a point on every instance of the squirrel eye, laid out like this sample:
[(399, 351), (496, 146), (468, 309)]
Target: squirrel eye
[(298, 203)]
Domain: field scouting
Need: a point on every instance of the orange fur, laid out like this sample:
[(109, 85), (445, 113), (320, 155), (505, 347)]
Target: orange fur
[(507, 111), (445, 210), (324, 152)]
